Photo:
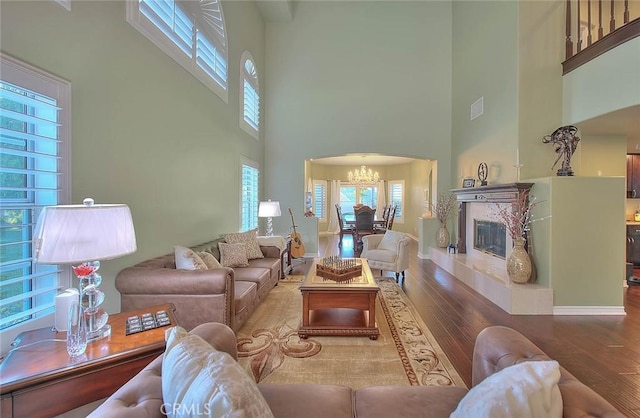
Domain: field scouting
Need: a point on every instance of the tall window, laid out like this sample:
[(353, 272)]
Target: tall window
[(249, 96), (396, 196), (34, 172), (191, 32), (249, 196), (353, 195), (320, 199)]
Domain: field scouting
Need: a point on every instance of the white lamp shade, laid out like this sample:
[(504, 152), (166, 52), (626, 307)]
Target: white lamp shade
[(269, 209), (70, 234)]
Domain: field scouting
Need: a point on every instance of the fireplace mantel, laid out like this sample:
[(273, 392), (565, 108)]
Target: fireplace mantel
[(494, 193)]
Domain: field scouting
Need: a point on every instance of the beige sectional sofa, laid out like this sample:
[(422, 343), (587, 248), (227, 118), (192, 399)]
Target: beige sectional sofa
[(225, 295), (497, 350)]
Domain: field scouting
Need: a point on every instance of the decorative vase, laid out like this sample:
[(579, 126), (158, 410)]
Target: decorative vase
[(443, 237), (519, 263)]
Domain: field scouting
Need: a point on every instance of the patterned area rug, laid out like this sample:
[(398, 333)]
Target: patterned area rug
[(405, 353)]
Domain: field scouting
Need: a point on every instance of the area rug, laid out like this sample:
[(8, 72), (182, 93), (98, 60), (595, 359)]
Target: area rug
[(405, 353)]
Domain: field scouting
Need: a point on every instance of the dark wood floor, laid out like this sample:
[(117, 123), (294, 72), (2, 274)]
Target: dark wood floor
[(601, 351)]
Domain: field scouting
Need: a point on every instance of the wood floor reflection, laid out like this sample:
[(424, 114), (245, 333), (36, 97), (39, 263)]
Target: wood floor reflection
[(602, 351)]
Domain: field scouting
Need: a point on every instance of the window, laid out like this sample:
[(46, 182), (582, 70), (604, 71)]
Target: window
[(191, 32), (34, 172), (353, 195), (249, 196), (249, 96), (320, 199), (396, 195)]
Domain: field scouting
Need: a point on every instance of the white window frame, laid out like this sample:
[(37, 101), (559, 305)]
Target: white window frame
[(249, 199), (33, 79), (249, 103), (391, 186), (319, 200), (210, 34)]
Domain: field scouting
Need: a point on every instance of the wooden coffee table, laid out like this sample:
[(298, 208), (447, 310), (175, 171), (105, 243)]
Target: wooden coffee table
[(42, 380), (339, 308)]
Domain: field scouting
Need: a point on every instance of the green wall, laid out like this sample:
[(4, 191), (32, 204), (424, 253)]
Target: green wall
[(144, 131), (355, 77)]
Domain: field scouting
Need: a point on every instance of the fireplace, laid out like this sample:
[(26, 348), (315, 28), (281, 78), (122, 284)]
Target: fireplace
[(490, 237)]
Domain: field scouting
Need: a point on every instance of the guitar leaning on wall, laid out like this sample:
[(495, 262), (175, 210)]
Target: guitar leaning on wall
[(297, 247)]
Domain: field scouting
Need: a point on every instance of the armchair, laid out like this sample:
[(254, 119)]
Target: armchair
[(387, 252)]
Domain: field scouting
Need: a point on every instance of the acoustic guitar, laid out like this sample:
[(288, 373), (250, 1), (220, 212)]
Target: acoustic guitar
[(297, 247)]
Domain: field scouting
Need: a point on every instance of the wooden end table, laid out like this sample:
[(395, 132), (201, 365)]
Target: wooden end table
[(42, 380), (339, 308)]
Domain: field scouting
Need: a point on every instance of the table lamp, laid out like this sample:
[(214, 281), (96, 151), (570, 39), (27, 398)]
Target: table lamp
[(85, 234), (269, 209)]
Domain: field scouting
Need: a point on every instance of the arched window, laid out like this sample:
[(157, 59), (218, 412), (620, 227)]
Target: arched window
[(249, 96), (191, 32)]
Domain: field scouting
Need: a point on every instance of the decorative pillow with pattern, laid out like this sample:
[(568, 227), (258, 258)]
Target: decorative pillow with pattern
[(209, 260), (199, 380), (187, 259), (250, 239), (233, 255)]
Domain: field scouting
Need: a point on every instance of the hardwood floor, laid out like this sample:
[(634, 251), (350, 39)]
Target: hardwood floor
[(601, 351)]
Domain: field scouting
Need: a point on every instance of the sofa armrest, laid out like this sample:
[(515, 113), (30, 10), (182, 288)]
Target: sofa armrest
[(499, 347), (142, 395), (144, 280), (270, 251)]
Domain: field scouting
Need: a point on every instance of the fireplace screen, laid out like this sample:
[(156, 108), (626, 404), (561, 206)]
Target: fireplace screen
[(490, 237)]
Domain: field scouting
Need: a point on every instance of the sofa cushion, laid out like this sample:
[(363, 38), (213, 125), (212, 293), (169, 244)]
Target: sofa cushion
[(272, 264), (245, 294), (390, 240), (259, 276), (209, 260), (187, 259), (309, 400), (527, 389), (407, 401), (233, 255), (250, 239), (207, 381)]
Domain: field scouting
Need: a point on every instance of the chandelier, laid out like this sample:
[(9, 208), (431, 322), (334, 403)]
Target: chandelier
[(363, 176)]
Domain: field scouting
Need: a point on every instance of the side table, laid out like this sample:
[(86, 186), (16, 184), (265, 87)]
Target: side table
[(40, 379)]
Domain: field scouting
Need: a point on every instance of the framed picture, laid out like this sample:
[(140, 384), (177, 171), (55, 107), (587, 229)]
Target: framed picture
[(466, 183)]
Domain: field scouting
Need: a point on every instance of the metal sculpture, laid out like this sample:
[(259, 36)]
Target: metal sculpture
[(565, 141)]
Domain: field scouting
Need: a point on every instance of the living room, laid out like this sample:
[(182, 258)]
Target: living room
[(394, 78)]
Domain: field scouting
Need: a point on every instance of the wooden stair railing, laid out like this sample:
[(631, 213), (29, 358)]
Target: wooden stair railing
[(580, 46)]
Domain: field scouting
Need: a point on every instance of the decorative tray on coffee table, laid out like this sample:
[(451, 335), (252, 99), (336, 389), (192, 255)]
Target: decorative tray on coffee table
[(339, 269)]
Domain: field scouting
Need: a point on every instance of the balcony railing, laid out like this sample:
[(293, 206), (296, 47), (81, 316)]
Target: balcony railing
[(595, 26)]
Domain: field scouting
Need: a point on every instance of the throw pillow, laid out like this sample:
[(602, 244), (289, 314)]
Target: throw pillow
[(187, 259), (527, 389), (390, 241), (199, 380), (250, 239), (233, 255), (210, 260)]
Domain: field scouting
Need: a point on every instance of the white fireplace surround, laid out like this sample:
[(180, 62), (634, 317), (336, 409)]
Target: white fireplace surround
[(486, 273)]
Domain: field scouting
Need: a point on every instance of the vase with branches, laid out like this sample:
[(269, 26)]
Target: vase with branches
[(442, 210), (517, 220)]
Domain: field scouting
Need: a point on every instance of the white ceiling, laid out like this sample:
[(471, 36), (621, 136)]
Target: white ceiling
[(369, 159)]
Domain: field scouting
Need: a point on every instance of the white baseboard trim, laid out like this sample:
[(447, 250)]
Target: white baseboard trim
[(589, 310), (423, 256)]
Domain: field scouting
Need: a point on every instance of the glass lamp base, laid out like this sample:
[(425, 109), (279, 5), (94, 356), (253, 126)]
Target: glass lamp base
[(98, 334)]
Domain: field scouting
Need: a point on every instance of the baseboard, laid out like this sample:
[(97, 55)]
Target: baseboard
[(589, 310)]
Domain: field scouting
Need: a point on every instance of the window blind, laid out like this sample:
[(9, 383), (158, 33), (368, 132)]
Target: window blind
[(249, 197), (29, 180)]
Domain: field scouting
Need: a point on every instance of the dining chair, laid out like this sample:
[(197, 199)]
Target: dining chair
[(344, 228), (388, 221), (364, 223)]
